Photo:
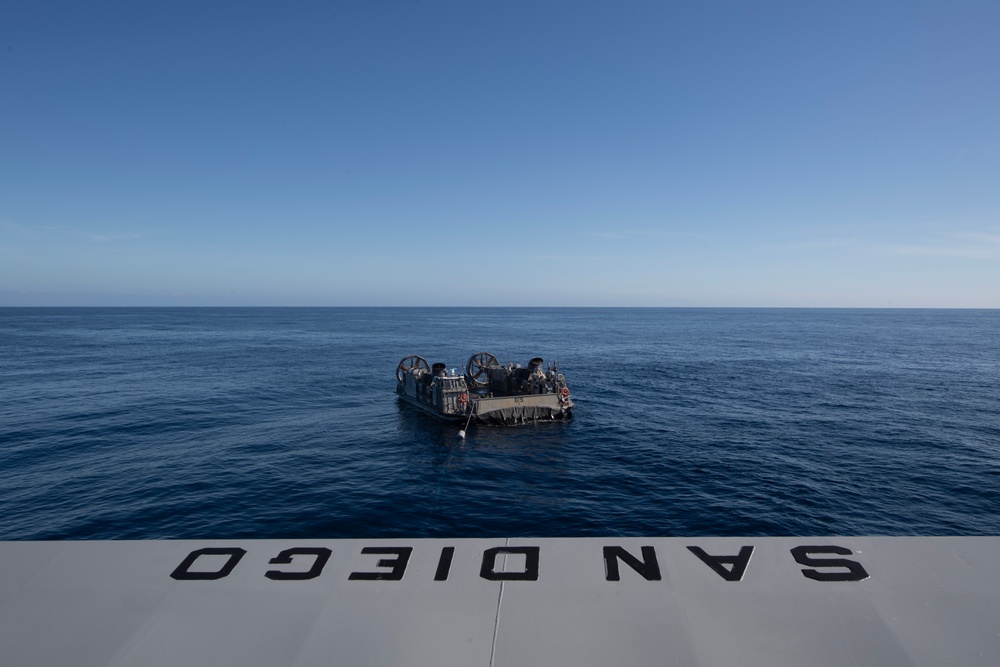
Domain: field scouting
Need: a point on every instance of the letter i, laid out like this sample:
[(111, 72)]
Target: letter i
[(444, 564)]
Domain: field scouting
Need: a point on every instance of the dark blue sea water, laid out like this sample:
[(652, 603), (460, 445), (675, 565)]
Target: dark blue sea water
[(269, 423)]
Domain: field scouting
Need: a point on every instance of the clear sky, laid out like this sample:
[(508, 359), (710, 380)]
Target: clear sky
[(389, 152)]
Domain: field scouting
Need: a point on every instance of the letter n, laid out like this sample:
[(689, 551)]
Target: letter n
[(647, 567)]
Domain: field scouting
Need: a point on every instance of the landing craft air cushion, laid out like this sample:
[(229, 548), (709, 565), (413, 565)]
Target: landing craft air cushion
[(487, 393)]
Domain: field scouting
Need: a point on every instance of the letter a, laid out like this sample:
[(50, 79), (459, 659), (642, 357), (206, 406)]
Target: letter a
[(718, 564)]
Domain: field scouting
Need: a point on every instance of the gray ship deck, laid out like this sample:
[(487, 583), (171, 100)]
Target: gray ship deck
[(589, 601)]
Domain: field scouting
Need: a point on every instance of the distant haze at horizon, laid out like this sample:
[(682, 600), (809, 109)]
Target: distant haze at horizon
[(530, 154)]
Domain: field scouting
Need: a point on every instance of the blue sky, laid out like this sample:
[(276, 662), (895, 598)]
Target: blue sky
[(518, 153)]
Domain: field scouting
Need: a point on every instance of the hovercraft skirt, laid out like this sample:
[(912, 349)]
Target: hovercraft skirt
[(522, 415)]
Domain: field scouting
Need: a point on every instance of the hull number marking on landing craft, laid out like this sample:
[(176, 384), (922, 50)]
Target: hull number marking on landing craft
[(219, 562)]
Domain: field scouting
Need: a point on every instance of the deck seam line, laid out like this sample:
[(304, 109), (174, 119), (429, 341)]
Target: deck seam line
[(496, 621)]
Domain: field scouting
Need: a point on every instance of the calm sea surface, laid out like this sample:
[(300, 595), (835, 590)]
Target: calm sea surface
[(272, 423)]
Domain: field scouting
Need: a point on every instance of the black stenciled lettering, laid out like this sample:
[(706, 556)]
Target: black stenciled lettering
[(738, 563), (855, 571), (397, 564), (320, 554), (648, 567), (444, 564), (183, 571), (488, 569)]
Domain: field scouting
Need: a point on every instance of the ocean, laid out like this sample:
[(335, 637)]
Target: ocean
[(197, 423)]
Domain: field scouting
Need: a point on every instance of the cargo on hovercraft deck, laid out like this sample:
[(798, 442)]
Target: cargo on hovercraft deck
[(487, 393)]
